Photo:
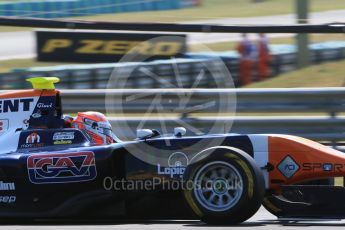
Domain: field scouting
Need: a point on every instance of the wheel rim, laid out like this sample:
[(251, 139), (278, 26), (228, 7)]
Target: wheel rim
[(219, 186)]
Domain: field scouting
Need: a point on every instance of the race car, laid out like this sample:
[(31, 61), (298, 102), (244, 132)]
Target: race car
[(53, 169)]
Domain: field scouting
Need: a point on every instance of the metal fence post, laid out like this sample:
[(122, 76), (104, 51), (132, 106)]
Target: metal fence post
[(302, 39)]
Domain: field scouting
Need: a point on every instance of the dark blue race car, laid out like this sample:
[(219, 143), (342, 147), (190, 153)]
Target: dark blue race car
[(50, 168)]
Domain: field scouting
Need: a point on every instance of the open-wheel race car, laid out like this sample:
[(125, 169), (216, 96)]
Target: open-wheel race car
[(53, 169)]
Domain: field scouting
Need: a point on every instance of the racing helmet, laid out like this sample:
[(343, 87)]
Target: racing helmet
[(96, 125)]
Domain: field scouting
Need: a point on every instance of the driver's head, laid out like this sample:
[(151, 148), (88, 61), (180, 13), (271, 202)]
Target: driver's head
[(96, 125)]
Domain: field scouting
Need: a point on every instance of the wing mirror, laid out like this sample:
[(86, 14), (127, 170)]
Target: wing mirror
[(179, 131), (144, 133)]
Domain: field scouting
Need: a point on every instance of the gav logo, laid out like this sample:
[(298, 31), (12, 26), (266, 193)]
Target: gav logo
[(7, 186), (61, 167), (15, 105), (177, 163)]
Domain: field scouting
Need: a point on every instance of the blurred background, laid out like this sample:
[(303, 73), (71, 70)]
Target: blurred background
[(292, 60), (292, 63)]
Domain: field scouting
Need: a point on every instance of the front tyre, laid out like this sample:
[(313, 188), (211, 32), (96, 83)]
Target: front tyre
[(228, 187)]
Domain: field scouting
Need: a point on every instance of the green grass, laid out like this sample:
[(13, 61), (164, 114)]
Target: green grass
[(214, 9), (6, 66), (329, 74), (13, 29)]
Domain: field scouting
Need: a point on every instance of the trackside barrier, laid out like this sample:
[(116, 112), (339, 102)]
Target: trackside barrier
[(97, 75), (280, 100), (298, 101), (128, 107)]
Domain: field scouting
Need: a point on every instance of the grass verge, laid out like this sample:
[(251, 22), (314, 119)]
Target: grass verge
[(330, 74)]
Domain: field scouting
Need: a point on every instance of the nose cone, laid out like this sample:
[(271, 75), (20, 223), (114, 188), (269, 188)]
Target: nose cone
[(297, 159)]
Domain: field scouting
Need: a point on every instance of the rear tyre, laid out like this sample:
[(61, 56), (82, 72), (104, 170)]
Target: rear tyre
[(228, 187)]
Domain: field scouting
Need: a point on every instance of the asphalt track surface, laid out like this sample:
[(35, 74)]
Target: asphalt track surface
[(22, 44), (262, 220)]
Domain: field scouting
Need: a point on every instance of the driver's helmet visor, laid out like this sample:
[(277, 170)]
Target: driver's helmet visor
[(97, 124), (107, 131), (102, 127)]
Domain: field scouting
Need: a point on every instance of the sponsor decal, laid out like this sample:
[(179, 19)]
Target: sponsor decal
[(37, 115), (63, 136), (7, 186), (177, 164), (3, 125), (25, 124), (44, 106), (327, 167), (15, 105), (8, 199), (62, 142), (61, 167), (288, 167), (33, 140), (106, 47)]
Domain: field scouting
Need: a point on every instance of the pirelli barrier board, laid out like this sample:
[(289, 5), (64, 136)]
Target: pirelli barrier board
[(92, 47)]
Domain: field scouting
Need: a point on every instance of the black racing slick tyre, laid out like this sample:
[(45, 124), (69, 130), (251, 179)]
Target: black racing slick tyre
[(228, 187), (271, 206)]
